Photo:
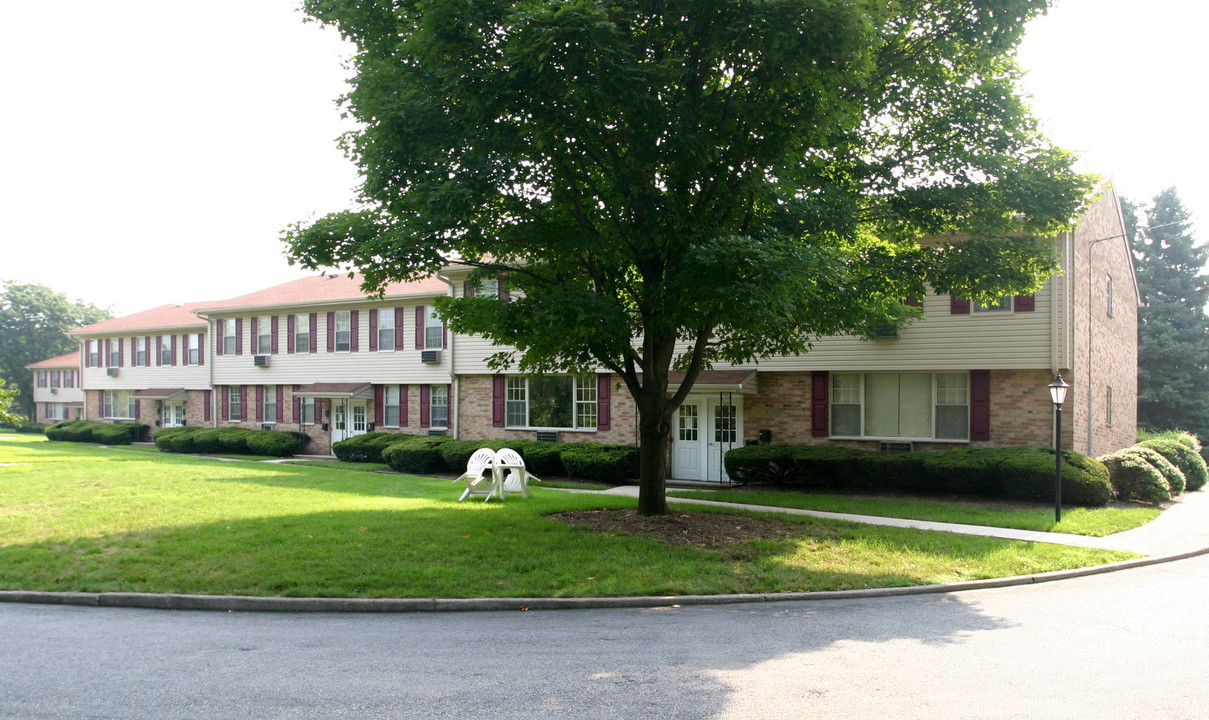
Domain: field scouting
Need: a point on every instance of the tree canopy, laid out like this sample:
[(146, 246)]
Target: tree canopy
[(679, 183), (34, 320), (1173, 331)]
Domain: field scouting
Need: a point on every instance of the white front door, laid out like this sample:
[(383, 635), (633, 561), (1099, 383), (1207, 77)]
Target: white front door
[(348, 419), (707, 426), (174, 414)]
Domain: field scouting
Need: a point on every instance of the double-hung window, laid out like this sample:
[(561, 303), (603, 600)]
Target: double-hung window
[(1003, 304), (264, 335), (140, 351), (901, 405), (119, 404), (550, 401), (390, 406), (228, 336), (235, 405), (302, 334), (115, 352), (344, 326), (438, 406), (194, 350), (308, 411), (269, 409), (386, 329), (166, 350), (434, 332), (94, 353)]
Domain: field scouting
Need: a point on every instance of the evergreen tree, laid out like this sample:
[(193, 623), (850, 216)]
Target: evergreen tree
[(1173, 331)]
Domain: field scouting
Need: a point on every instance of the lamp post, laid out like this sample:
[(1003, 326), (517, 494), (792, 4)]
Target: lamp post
[(1057, 393)]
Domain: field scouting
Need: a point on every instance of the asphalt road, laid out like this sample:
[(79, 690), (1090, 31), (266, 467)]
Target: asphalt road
[(1129, 644)]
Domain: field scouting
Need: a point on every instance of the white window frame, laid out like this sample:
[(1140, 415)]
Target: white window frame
[(112, 399), (115, 352), (270, 402), (170, 416), (1108, 294), (235, 404), (488, 287), (438, 402), (193, 351), (302, 333), (941, 397), (386, 330), (94, 353), (343, 318), (264, 335), (1006, 304), (307, 405), (391, 403), (228, 337), (584, 403), (1108, 407), (165, 349), (434, 330), (140, 351)]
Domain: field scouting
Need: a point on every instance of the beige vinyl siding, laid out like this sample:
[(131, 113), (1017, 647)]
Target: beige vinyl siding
[(152, 376), (365, 365)]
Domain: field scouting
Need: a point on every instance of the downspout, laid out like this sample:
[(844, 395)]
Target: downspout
[(210, 340), (455, 418)]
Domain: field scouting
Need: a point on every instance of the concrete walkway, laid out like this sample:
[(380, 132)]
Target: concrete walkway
[(1182, 528)]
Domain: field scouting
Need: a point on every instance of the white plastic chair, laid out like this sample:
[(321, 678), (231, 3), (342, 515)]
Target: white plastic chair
[(511, 474), (477, 478)]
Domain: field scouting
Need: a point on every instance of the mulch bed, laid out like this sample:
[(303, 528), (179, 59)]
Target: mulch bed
[(702, 529)]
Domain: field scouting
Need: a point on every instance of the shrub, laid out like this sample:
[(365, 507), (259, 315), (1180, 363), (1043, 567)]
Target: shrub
[(1135, 479), (1028, 474), (1183, 456), (207, 441), (543, 458), (456, 453), (63, 430), (367, 447), (233, 440), (1171, 474), (1183, 437), (119, 434), (418, 454), (177, 439), (278, 443), (772, 464), (602, 463)]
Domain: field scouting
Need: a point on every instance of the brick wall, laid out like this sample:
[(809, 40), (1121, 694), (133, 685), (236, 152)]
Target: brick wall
[(474, 413), (1104, 346)]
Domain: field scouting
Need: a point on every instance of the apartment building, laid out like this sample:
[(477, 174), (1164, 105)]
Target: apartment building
[(57, 392)]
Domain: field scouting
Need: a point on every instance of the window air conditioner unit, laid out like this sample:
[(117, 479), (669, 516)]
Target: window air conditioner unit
[(54, 391), (111, 372), (260, 360), (430, 357)]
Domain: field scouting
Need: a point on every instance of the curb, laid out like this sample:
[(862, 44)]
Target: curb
[(247, 603)]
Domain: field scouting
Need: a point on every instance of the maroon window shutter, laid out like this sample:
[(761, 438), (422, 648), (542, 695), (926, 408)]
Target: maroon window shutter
[(105, 355), (314, 334), (957, 306), (297, 417), (121, 352), (201, 348), (239, 339), (260, 403), (331, 331), (604, 402), (980, 404), (173, 340), (219, 334), (224, 411), (444, 335), (318, 410), (503, 293), (399, 328), (819, 415), (424, 409), (206, 400), (134, 351), (402, 405), (497, 401), (159, 343), (467, 289), (273, 328), (1026, 303), (419, 327), (378, 394), (291, 324), (915, 302), (255, 335), (373, 329), (280, 402), (244, 401), (354, 327)]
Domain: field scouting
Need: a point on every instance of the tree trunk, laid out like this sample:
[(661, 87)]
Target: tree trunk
[(654, 440)]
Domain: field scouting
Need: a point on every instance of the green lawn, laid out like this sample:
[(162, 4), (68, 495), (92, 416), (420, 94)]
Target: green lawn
[(83, 518), (1095, 522)]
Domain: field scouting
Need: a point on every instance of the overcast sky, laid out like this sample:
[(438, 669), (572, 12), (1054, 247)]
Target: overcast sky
[(153, 151)]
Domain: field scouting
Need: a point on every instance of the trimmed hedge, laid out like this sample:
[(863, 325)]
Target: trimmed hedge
[(1184, 456), (541, 458), (1015, 473), (278, 443), (367, 447), (90, 431), (230, 440), (1135, 479), (419, 454), (177, 439), (602, 463), (1171, 474)]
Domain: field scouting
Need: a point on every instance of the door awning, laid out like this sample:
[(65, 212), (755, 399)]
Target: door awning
[(744, 382), (358, 391), (161, 394)]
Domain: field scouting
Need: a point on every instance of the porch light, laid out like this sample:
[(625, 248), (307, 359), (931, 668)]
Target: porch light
[(1057, 393), (1057, 390)]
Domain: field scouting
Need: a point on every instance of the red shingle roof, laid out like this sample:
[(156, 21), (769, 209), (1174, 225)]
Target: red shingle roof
[(67, 360), (162, 317), (322, 288)]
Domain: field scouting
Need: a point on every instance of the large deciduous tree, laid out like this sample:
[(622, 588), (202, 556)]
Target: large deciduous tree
[(34, 320), (1173, 331), (675, 183)]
